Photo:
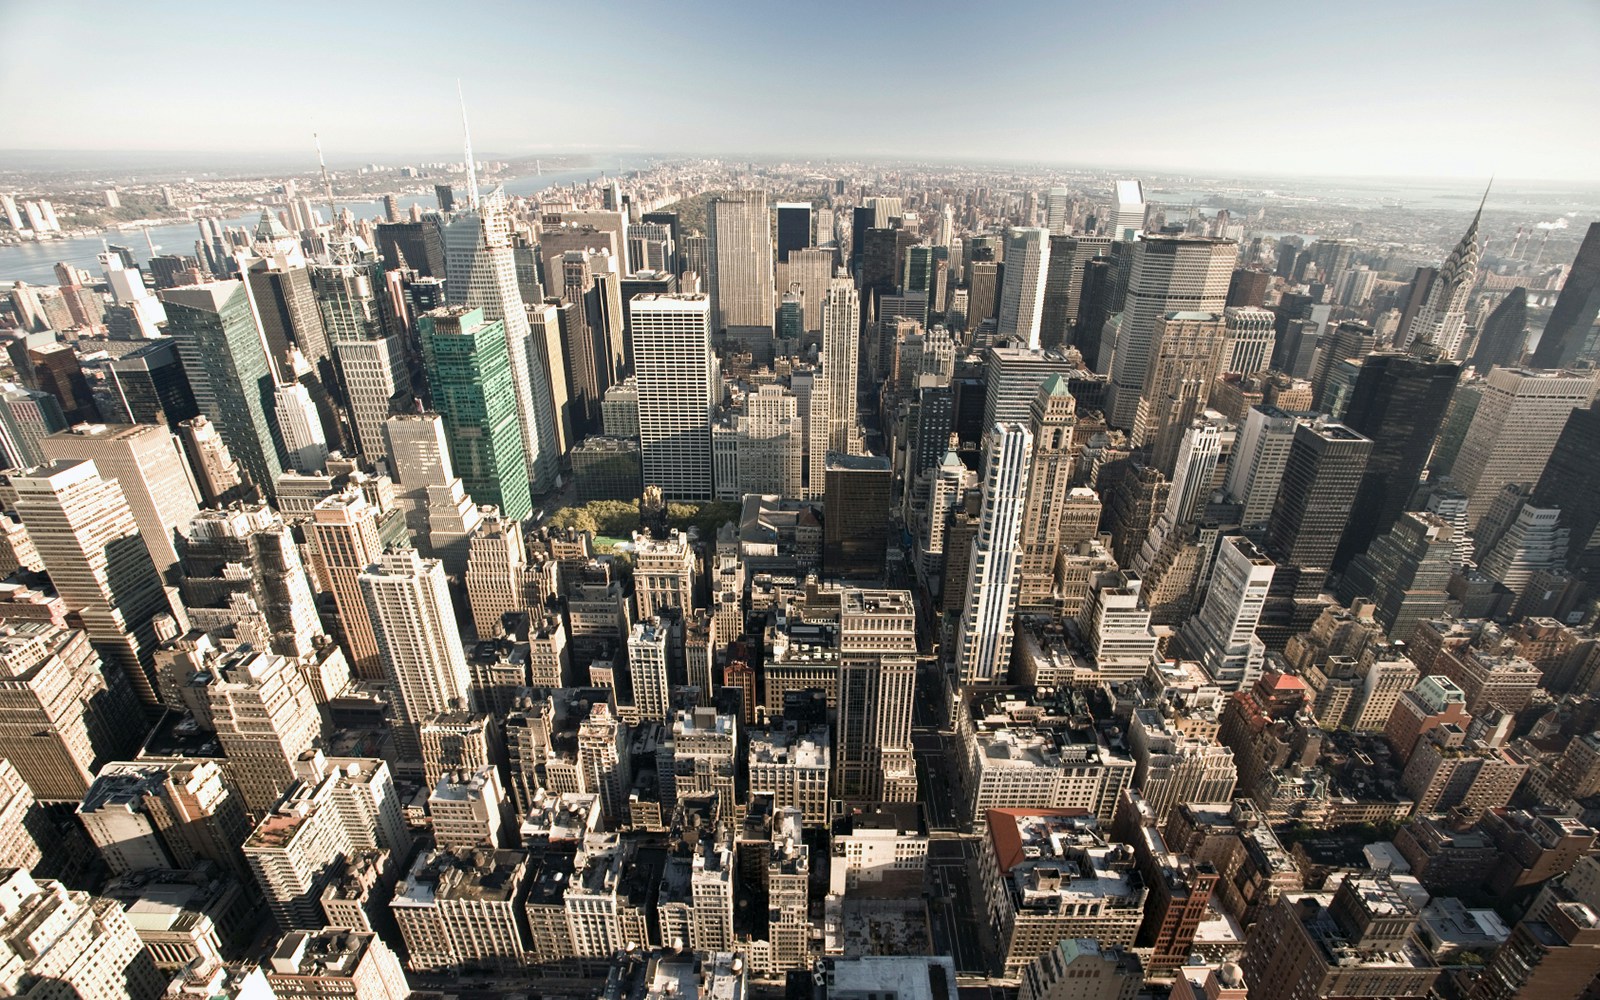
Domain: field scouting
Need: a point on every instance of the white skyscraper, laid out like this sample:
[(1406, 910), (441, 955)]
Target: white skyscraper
[(1168, 274), (60, 942), (647, 666), (1222, 635), (770, 441), (408, 599), (1514, 430), (1125, 220), (741, 260), (1058, 212), (983, 653), (1250, 338), (675, 372), (300, 429), (1260, 455), (1022, 294), (86, 534), (1441, 320), (841, 322)]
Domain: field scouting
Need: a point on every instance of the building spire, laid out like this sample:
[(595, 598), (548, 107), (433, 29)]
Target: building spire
[(472, 165), (338, 239)]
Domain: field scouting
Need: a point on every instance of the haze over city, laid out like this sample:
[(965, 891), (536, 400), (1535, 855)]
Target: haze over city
[(827, 501)]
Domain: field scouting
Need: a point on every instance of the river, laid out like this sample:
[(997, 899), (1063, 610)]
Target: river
[(35, 262)]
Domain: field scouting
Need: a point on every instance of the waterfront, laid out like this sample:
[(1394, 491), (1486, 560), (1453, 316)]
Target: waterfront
[(35, 263)]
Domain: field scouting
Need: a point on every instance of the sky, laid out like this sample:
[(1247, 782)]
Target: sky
[(1294, 87)]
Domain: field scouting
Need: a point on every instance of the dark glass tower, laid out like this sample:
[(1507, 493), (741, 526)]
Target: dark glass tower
[(1399, 401), (794, 228), (1576, 308), (152, 385), (1504, 334), (856, 501), (1320, 483), (1571, 481)]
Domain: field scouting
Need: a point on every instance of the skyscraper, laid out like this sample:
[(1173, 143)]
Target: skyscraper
[(1125, 220), (482, 275), (264, 716), (1169, 274), (741, 260), (1052, 421), (1022, 293), (57, 370), (229, 370), (1185, 358), (1249, 338), (675, 372), (1572, 320), (1514, 429), (877, 677), (1399, 401), (1222, 634), (983, 653), (371, 357), (87, 537), (841, 324), (62, 941), (413, 621), (343, 532), (1504, 336), (856, 503), (794, 228), (145, 462), (26, 417), (151, 385), (1404, 573), (470, 373), (1320, 483), (1571, 482), (1441, 319)]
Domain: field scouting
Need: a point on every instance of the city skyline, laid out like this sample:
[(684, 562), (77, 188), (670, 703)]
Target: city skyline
[(1469, 101)]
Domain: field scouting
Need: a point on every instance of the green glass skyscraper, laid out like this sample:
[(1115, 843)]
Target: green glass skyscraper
[(469, 375)]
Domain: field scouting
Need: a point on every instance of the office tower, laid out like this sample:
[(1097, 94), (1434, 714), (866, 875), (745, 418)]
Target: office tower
[(264, 716), (675, 372), (297, 849), (1248, 288), (1125, 219), (171, 814), (417, 245), (279, 288), (1571, 483), (856, 503), (439, 514), (664, 574), (413, 621), (1060, 298), (1168, 274), (1185, 358), (26, 417), (1399, 401), (483, 277), (372, 359), (1349, 341), (1058, 211), (475, 391), (1404, 573), (1022, 294), (1012, 377), (87, 537), (1320, 482), (63, 715), (496, 561), (300, 429), (740, 281), (229, 370), (249, 550), (836, 417), (1514, 429), (1571, 324), (794, 228), (1222, 634), (877, 675), (1051, 423), (1504, 337), (56, 941), (1250, 332), (812, 272), (145, 462), (151, 385), (983, 293), (1441, 318), (771, 440), (1535, 542), (983, 653), (344, 541), (647, 669), (56, 370), (335, 961)]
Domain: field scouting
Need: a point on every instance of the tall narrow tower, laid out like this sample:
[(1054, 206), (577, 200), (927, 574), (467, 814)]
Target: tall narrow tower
[(841, 323), (674, 369), (983, 652), (408, 600), (877, 678), (1053, 419), (1022, 293), (1441, 320)]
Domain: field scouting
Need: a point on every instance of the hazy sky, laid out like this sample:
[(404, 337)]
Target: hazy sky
[(1463, 88)]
